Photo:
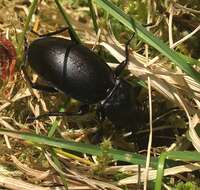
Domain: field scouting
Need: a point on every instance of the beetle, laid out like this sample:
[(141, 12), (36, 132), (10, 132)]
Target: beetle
[(75, 70)]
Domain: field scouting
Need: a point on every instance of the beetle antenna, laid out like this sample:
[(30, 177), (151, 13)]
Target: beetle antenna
[(50, 33), (124, 63), (83, 109)]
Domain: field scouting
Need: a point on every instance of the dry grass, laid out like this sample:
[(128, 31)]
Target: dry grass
[(33, 168)]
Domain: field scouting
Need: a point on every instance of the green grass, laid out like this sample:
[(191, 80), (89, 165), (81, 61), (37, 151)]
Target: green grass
[(148, 37), (49, 141), (119, 155)]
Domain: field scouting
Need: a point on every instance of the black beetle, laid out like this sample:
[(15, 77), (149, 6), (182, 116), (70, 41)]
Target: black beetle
[(76, 71)]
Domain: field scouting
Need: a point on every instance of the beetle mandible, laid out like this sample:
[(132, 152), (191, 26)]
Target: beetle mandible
[(78, 72)]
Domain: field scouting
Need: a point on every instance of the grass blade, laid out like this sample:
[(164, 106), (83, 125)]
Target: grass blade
[(28, 20), (148, 37), (175, 155), (72, 32), (93, 15), (80, 147)]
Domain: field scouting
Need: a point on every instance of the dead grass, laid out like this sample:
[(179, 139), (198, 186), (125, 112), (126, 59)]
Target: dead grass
[(28, 167)]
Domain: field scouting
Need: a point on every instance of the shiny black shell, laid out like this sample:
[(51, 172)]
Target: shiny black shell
[(71, 68), (121, 108)]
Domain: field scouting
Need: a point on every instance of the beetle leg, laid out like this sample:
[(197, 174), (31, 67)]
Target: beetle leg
[(101, 106), (124, 63), (83, 109), (51, 33), (100, 113), (31, 119), (57, 32), (36, 85), (149, 24)]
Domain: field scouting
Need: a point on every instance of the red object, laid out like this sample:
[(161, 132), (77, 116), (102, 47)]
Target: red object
[(8, 59)]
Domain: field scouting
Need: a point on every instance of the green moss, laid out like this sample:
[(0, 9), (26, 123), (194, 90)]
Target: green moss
[(187, 186)]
